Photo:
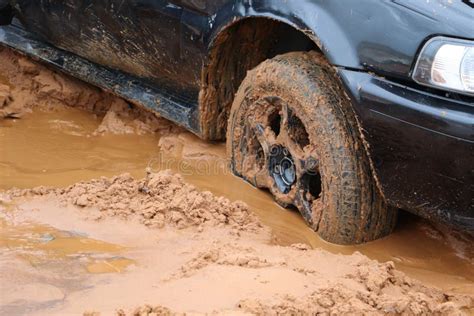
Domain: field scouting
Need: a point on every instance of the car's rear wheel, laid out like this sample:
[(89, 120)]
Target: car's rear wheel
[(291, 130)]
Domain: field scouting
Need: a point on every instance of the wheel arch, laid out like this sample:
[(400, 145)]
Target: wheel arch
[(232, 35), (218, 87)]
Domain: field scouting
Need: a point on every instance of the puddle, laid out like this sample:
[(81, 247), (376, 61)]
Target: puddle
[(41, 265), (42, 245), (56, 149)]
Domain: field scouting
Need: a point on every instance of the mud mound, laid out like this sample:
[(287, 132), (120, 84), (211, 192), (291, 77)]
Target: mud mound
[(382, 291), (339, 300), (26, 85), (332, 284), (342, 284), (123, 118), (157, 200), (31, 85), (149, 310)]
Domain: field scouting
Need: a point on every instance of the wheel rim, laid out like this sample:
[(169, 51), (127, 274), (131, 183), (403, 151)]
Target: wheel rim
[(282, 168), (278, 155)]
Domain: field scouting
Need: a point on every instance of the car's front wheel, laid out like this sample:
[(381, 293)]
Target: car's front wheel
[(291, 131)]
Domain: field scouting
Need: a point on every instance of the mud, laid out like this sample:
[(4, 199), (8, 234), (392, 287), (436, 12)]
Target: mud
[(25, 85), (159, 199), (221, 78), (149, 242), (208, 253)]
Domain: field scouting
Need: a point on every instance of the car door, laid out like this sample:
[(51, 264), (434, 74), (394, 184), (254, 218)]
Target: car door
[(140, 37)]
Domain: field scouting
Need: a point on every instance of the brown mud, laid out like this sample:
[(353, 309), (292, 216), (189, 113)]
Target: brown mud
[(197, 244), (112, 244)]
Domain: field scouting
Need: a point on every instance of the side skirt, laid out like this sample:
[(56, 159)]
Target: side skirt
[(119, 83)]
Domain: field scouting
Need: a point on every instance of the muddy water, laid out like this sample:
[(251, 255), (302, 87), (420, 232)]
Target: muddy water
[(57, 149), (41, 245), (40, 265)]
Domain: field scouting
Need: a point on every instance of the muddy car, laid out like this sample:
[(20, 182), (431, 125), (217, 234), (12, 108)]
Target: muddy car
[(345, 110)]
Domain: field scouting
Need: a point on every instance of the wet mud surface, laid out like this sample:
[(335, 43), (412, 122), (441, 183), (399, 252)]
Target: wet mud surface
[(152, 237)]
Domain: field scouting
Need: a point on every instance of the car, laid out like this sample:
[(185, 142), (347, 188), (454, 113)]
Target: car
[(345, 110)]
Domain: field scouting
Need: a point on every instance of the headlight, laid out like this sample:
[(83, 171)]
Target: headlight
[(448, 64)]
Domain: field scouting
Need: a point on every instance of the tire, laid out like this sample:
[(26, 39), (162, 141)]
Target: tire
[(292, 131)]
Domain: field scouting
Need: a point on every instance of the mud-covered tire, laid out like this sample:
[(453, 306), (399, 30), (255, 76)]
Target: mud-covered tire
[(292, 130)]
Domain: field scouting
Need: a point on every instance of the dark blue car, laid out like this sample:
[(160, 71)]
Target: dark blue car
[(346, 110)]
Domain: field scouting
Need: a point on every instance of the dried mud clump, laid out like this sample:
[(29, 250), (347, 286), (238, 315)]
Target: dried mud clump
[(159, 199)]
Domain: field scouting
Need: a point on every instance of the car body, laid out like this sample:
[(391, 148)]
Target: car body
[(195, 53)]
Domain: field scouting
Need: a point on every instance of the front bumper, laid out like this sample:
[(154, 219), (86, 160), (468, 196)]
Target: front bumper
[(422, 147)]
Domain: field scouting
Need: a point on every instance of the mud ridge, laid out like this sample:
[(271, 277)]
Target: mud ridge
[(336, 285), (160, 199)]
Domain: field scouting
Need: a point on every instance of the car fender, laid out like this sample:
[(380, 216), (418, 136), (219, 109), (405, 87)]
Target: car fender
[(381, 36)]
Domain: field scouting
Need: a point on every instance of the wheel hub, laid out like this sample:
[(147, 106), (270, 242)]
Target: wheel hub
[(282, 168)]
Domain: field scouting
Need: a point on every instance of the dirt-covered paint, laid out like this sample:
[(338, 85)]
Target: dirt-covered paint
[(245, 45)]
